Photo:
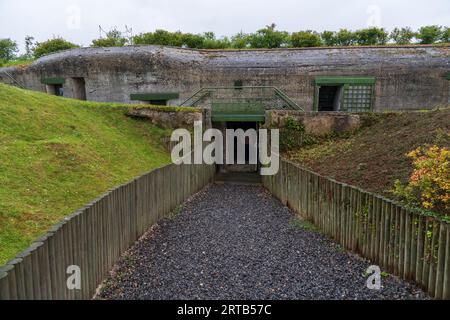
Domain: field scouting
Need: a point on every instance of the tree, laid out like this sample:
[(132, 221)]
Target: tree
[(194, 41), (429, 34), (211, 42), (240, 40), (29, 46), (403, 35), (8, 49), (445, 36), (328, 38), (306, 38), (114, 38), (345, 37), (269, 38), (160, 37), (371, 36), (51, 46)]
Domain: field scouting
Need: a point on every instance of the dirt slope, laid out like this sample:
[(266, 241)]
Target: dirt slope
[(375, 156)]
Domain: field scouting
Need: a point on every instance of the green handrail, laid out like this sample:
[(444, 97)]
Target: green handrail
[(208, 91)]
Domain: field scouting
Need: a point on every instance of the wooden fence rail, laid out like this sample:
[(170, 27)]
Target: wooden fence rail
[(94, 237), (410, 245)]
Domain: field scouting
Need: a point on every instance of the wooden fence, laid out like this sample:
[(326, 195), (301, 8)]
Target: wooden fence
[(94, 237), (410, 245)]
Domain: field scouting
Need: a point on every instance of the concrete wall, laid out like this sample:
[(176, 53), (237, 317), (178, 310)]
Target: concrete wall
[(168, 119), (316, 123), (410, 77)]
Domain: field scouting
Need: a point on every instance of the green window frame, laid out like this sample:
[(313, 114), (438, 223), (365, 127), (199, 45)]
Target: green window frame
[(358, 92)]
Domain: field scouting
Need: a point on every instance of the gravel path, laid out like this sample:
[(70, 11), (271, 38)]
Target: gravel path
[(238, 242)]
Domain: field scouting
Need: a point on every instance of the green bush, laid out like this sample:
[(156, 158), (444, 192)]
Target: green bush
[(345, 37), (211, 42), (51, 46), (293, 135), (306, 39), (240, 40), (445, 36), (429, 34), (402, 36), (371, 36), (114, 38), (268, 37), (190, 40), (160, 37), (328, 38)]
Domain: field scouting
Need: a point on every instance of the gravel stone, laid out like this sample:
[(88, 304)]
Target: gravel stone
[(238, 242)]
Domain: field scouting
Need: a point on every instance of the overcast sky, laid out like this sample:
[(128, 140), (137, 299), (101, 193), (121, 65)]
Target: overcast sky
[(79, 20)]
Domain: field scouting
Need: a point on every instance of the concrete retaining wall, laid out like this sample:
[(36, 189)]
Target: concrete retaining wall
[(168, 119), (316, 123)]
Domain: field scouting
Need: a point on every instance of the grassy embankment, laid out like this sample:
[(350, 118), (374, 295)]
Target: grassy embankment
[(58, 154)]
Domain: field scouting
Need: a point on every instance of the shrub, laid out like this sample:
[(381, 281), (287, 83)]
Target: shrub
[(240, 40), (345, 37), (371, 36), (114, 38), (211, 42), (306, 39), (189, 40), (328, 38), (429, 184), (293, 135), (429, 34), (403, 35), (160, 37), (269, 38), (445, 36), (53, 45)]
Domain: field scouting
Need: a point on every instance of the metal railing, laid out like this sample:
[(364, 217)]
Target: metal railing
[(13, 79), (270, 96)]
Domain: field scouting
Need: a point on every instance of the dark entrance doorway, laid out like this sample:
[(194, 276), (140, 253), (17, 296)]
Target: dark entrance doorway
[(248, 148), (158, 102), (329, 98), (79, 88), (244, 126)]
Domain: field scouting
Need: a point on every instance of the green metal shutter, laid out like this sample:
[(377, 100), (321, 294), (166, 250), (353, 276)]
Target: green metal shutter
[(357, 98)]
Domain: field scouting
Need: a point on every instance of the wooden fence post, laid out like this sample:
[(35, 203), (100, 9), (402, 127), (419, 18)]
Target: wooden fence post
[(446, 284)]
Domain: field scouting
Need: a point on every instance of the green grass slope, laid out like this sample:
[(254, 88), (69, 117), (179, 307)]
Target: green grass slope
[(58, 154)]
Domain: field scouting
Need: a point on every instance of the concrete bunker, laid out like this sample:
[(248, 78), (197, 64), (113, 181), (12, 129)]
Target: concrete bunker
[(407, 77)]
